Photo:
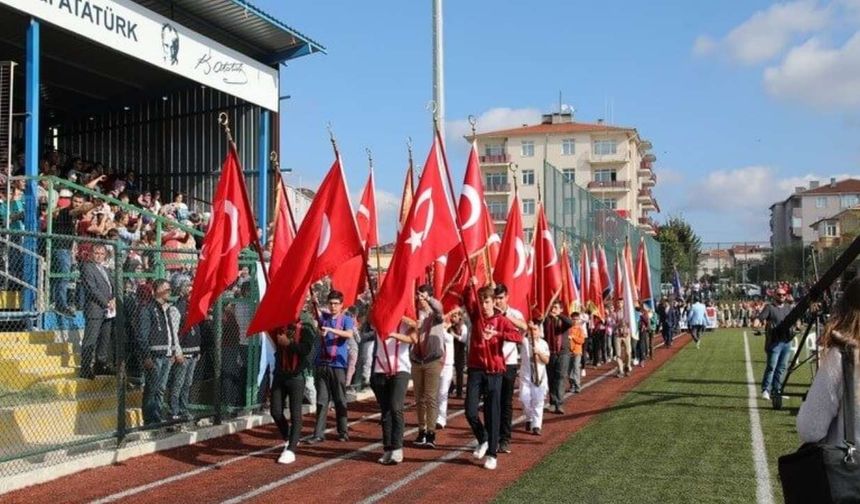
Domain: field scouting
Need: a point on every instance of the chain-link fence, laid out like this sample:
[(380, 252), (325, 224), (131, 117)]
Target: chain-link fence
[(577, 217), (91, 349)]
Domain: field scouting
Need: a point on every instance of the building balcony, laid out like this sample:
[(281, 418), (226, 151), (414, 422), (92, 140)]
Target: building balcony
[(502, 188), (645, 195), (644, 169), (494, 159), (650, 181), (609, 185), (605, 159)]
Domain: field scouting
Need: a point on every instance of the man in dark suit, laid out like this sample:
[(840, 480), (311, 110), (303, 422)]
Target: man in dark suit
[(99, 312)]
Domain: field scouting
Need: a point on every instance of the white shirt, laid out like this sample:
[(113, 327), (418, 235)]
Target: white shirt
[(392, 355), (463, 337), (526, 368), (509, 348)]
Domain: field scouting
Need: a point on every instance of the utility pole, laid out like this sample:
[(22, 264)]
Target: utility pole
[(438, 66)]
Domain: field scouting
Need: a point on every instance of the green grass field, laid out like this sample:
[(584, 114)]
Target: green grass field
[(682, 436)]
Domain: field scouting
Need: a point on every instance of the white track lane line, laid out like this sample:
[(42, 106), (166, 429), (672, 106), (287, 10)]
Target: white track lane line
[(763, 490)]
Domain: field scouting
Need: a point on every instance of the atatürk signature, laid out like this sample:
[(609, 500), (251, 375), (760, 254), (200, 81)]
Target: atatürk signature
[(233, 72)]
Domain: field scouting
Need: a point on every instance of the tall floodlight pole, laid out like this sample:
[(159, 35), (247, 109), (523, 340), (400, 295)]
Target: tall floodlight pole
[(438, 66)]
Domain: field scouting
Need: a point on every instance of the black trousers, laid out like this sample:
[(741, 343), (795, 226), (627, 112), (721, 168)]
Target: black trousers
[(598, 345), (330, 384), (459, 366), (697, 332), (668, 335), (291, 390), (509, 381), (557, 371), (488, 387), (390, 392), (97, 345)]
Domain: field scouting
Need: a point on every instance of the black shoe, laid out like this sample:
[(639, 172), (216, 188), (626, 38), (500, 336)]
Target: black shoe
[(559, 410), (343, 438), (536, 431), (505, 446), (528, 426), (430, 440), (315, 440), (421, 440)]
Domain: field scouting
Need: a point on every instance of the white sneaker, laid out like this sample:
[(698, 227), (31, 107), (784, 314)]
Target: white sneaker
[(583, 372), (765, 395), (697, 345), (490, 463), (385, 459), (635, 362), (287, 457), (481, 450), (397, 456)]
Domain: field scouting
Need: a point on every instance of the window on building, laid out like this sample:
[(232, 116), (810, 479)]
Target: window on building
[(568, 206), (568, 175), (528, 177), (850, 200), (498, 209), (610, 203), (528, 206), (796, 222), (494, 149), (830, 229), (605, 175), (605, 147), (527, 148), (496, 182), (528, 234), (821, 202), (568, 147)]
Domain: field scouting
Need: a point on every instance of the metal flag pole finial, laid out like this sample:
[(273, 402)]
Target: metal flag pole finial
[(273, 157), (332, 139), (409, 148), (434, 109), (369, 157), (473, 121), (224, 121)]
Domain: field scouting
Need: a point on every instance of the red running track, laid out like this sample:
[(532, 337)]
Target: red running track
[(242, 467)]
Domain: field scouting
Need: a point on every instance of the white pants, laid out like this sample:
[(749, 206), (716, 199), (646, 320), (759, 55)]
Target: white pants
[(444, 385), (532, 396)]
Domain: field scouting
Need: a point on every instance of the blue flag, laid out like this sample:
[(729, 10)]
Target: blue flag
[(676, 282)]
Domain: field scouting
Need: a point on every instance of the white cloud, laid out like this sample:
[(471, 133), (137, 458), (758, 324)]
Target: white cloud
[(767, 33), (491, 120), (818, 75)]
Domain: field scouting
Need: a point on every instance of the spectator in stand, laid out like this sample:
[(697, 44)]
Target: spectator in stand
[(99, 312), (129, 233), (180, 207), (183, 372), (65, 222), (159, 330), (175, 240), (14, 208)]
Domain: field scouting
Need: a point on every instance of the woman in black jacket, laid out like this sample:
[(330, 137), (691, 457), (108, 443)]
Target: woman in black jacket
[(292, 357)]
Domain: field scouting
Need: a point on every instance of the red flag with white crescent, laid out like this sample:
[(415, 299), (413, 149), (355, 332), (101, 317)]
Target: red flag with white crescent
[(547, 282), (429, 232), (513, 261), (231, 229), (327, 238), (283, 232)]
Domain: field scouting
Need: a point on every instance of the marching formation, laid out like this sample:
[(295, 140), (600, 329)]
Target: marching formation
[(456, 300)]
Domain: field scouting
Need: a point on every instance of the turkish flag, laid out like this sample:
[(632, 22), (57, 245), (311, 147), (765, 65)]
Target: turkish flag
[(283, 232), (596, 285), (406, 197), (513, 262), (643, 273), (429, 232), (547, 270), (569, 294), (603, 271), (351, 277), (476, 228), (327, 238), (439, 275), (231, 229), (630, 295), (366, 218), (584, 278)]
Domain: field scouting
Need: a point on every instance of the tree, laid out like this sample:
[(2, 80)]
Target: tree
[(680, 247)]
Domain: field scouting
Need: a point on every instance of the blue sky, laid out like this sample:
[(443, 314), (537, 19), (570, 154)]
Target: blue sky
[(742, 99)]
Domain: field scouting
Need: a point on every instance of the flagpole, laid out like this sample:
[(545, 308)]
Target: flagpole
[(224, 121), (487, 263)]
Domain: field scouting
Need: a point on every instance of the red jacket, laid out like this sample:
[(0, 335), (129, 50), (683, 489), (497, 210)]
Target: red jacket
[(488, 355)]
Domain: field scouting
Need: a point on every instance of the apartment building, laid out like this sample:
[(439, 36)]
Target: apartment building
[(613, 162), (791, 220)]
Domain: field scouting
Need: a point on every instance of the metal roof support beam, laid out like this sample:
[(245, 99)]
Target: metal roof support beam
[(32, 148), (263, 174)]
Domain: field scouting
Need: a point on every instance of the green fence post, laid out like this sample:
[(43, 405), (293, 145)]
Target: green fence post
[(120, 336), (219, 334), (49, 223)]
